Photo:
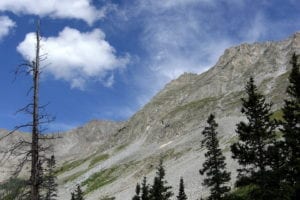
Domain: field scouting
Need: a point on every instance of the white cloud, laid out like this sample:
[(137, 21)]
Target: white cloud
[(76, 57), (109, 81), (78, 9), (189, 35), (6, 24), (156, 5), (178, 42), (178, 36)]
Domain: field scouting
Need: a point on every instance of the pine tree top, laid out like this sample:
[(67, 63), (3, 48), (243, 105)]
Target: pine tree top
[(214, 165), (181, 193), (145, 190), (294, 88), (160, 190), (78, 193)]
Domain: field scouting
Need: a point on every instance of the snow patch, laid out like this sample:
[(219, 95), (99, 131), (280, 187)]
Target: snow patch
[(166, 144), (147, 128)]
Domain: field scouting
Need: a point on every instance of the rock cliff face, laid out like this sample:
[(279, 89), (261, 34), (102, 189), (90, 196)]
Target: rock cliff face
[(192, 97), (109, 158)]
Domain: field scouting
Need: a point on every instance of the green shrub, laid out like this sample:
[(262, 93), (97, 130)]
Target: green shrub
[(12, 189), (100, 179), (98, 159)]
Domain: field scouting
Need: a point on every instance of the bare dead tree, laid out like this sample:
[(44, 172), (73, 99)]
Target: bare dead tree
[(34, 176), (32, 151)]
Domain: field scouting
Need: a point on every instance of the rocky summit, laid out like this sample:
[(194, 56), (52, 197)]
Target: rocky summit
[(109, 158)]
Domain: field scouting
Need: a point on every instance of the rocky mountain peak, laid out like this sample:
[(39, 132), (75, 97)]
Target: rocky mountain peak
[(170, 125)]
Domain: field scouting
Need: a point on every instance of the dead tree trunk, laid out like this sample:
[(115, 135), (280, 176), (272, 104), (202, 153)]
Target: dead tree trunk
[(34, 178)]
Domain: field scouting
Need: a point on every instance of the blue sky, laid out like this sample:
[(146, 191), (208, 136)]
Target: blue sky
[(106, 58)]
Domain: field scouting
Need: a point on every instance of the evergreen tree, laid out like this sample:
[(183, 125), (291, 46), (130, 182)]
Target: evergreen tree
[(215, 165), (77, 194), (255, 136), (137, 192), (145, 190), (291, 127), (50, 180), (181, 193), (160, 190)]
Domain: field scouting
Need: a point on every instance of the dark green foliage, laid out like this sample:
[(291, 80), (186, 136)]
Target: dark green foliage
[(101, 178), (294, 88), (13, 189), (77, 194), (278, 188), (242, 193), (291, 128), (160, 190), (107, 198), (137, 192), (145, 190), (214, 167), (181, 193), (255, 137), (50, 180)]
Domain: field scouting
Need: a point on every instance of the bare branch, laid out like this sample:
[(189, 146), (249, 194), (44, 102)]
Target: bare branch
[(26, 109), (15, 129)]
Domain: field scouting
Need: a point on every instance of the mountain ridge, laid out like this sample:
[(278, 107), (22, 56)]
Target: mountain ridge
[(175, 116), (170, 125)]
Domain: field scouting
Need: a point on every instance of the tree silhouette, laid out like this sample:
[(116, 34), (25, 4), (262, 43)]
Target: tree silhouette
[(159, 189), (145, 190), (77, 194), (255, 137), (181, 193), (50, 180), (214, 165)]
